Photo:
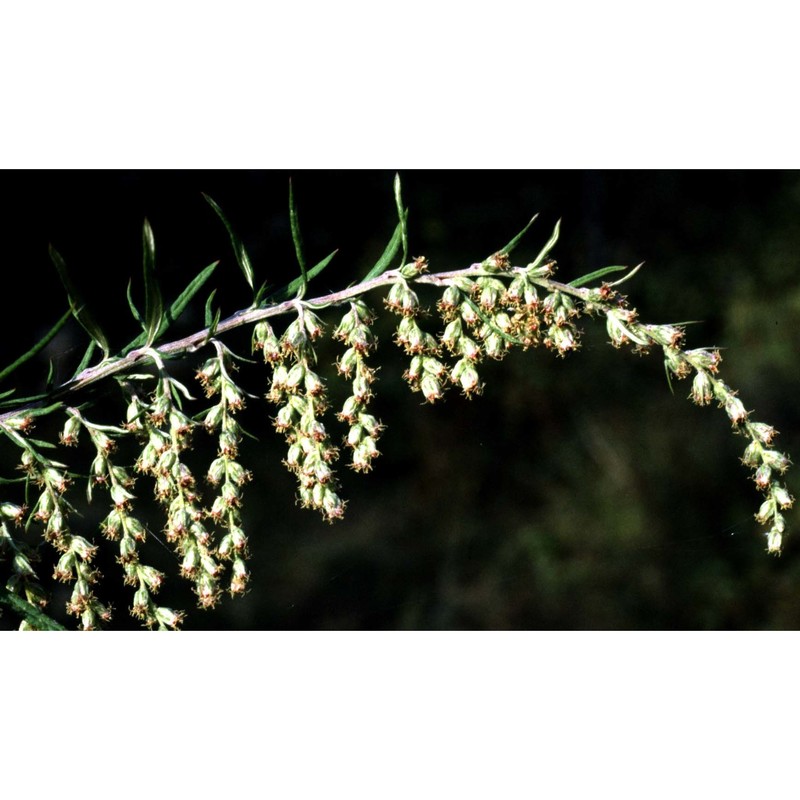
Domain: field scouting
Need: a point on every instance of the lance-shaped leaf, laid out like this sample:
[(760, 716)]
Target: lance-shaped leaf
[(177, 307), (40, 345), (629, 275), (17, 402), (32, 614), (551, 243), (298, 243), (137, 315), (516, 240), (402, 215), (185, 297), (593, 276), (242, 258), (77, 305), (383, 263), (153, 303), (293, 289), (85, 360), (209, 315)]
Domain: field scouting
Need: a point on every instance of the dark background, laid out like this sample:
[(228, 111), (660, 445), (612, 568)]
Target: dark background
[(574, 494)]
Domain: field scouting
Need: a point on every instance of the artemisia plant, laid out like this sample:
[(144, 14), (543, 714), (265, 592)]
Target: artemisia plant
[(448, 324)]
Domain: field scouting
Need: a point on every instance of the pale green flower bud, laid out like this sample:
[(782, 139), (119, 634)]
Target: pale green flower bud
[(150, 576), (216, 471), (704, 359), (191, 561), (313, 324), (766, 510), (735, 410), (141, 602), (22, 566), (12, 511), (763, 432), (763, 476), (72, 427), (430, 387), (347, 361), (469, 379), (295, 377), (120, 495), (210, 567), (752, 455), (782, 497), (469, 314), (239, 577), (451, 299), (65, 567), (354, 435), (168, 617), (370, 424), (495, 345), (362, 390), (313, 384), (774, 541), (82, 548), (452, 334), (702, 389), (775, 460)]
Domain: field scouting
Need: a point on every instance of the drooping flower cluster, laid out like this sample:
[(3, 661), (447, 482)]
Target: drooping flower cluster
[(299, 393), (426, 373), (121, 524), (364, 431), (23, 580), (225, 471), (166, 431), (766, 462), (52, 510)]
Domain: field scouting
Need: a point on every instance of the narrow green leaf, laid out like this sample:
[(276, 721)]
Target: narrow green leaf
[(36, 618), (516, 240), (38, 347), (135, 311), (297, 284), (209, 314), (242, 258), (5, 481), (185, 297), (153, 303), (21, 401), (669, 379), (547, 248), (592, 276), (178, 306), (382, 264), (33, 412), (41, 443), (87, 357), (7, 393), (402, 215), (262, 290), (628, 276), (298, 242), (40, 412), (78, 307), (212, 328), (503, 335)]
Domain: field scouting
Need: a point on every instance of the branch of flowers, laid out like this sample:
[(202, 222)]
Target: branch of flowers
[(145, 355)]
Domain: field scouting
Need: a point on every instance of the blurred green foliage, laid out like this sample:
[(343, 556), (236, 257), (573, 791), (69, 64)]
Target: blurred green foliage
[(576, 493)]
